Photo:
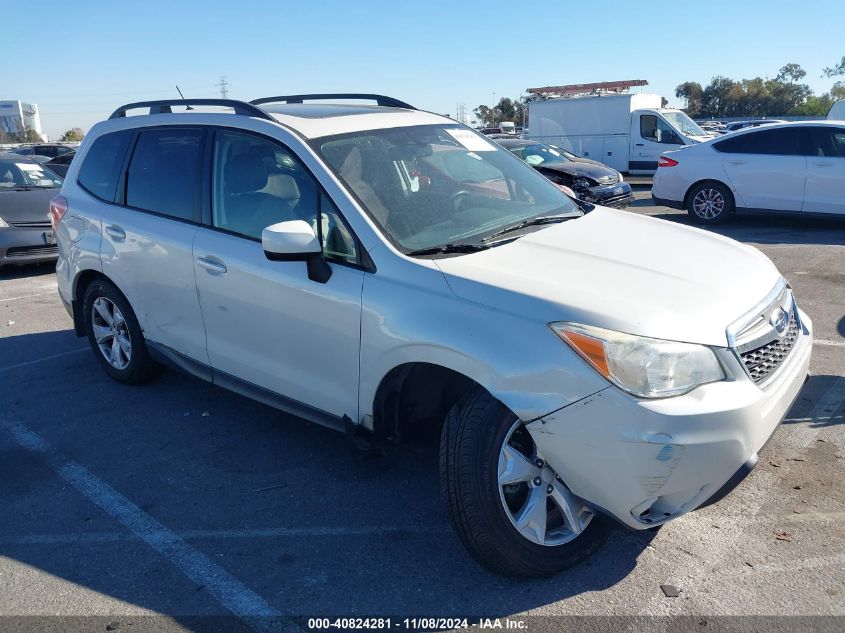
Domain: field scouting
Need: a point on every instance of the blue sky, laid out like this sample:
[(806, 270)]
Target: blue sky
[(94, 56)]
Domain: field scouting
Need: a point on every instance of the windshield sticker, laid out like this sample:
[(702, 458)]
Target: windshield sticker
[(28, 167), (471, 141)]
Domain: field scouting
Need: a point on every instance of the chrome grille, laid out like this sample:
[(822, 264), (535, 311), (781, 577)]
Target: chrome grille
[(607, 180), (45, 224), (762, 362)]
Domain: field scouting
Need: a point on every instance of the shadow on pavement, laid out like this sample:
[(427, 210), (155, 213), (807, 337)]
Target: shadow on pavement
[(812, 393), (763, 229), (288, 508), (26, 270)]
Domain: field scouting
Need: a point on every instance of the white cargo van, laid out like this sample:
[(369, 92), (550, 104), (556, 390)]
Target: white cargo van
[(627, 132), (837, 111)]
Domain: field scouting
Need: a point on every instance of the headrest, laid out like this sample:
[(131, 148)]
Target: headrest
[(245, 173)]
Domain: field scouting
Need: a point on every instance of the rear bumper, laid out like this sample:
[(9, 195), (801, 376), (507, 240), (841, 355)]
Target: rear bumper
[(645, 462), (23, 246), (665, 202)]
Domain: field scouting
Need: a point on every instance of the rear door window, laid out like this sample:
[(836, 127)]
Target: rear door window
[(100, 171), (826, 142), (779, 142), (163, 174)]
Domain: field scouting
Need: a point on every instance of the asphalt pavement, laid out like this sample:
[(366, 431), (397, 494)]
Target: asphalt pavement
[(181, 499)]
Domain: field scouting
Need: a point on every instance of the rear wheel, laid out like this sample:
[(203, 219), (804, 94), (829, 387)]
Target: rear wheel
[(115, 335), (710, 203), (509, 507)]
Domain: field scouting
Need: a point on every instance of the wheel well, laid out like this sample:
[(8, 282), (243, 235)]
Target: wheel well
[(416, 397), (708, 180), (83, 280)]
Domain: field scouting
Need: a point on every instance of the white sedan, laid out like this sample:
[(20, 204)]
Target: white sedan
[(788, 168)]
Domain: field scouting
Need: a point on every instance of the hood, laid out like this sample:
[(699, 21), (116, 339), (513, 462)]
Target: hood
[(593, 171), (621, 271), (31, 205)]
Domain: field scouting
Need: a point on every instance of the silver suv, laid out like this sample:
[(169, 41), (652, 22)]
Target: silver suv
[(375, 268)]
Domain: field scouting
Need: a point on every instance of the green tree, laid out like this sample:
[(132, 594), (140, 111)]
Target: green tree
[(73, 134), (838, 69), (485, 115), (505, 110), (791, 72), (30, 136), (692, 93), (838, 90)]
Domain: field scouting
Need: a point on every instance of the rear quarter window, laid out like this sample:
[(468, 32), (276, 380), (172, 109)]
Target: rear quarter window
[(100, 171), (163, 174)]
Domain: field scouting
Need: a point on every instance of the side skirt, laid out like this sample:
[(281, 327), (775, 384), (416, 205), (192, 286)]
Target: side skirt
[(172, 358)]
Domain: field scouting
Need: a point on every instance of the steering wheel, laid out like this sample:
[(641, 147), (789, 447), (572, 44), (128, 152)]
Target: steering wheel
[(457, 199)]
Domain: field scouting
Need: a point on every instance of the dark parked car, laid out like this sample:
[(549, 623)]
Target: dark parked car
[(43, 149), (591, 181), (26, 189), (60, 164)]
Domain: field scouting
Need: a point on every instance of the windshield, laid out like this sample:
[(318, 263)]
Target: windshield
[(682, 122), (538, 154), (15, 174), (432, 185)]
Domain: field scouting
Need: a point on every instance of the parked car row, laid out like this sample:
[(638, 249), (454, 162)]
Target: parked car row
[(26, 188), (779, 168)]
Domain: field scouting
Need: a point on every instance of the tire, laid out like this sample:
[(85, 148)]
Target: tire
[(710, 203), (132, 363), (474, 437)]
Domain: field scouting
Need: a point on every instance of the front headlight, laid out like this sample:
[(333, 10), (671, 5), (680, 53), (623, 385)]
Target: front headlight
[(621, 179), (644, 367)]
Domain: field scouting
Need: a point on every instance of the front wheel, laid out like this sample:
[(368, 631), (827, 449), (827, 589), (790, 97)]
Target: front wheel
[(710, 203), (510, 509)]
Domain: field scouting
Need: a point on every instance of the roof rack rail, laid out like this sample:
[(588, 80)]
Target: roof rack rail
[(380, 100), (164, 107)]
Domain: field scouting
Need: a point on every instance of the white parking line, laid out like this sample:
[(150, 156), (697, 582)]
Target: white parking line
[(42, 360), (37, 294), (316, 531), (220, 584), (826, 343)]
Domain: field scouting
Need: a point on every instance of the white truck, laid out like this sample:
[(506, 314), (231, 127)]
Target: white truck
[(837, 111), (628, 131)]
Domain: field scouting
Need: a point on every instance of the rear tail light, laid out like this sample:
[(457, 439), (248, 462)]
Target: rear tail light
[(58, 208), (665, 161)]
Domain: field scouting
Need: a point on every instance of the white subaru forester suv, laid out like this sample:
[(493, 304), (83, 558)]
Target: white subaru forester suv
[(375, 268)]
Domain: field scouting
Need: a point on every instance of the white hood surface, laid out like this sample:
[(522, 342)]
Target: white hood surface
[(621, 271)]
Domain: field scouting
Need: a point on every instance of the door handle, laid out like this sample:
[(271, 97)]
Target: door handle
[(640, 144), (822, 164), (737, 162), (116, 232), (212, 265)]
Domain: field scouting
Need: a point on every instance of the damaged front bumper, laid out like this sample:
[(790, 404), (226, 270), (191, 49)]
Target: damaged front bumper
[(645, 462)]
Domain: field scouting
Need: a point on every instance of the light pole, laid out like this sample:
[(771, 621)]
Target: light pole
[(493, 110)]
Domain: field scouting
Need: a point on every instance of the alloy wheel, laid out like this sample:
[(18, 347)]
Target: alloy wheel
[(537, 502), (708, 204), (111, 333)]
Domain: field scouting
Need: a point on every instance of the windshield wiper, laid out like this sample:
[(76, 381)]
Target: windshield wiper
[(449, 248), (542, 219)]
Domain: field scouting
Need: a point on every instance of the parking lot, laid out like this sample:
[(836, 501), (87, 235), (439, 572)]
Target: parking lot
[(182, 499)]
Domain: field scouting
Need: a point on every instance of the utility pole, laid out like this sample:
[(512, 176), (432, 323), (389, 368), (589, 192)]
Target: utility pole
[(224, 86), (461, 113)]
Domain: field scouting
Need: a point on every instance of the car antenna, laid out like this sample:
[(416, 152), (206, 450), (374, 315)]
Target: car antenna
[(182, 97)]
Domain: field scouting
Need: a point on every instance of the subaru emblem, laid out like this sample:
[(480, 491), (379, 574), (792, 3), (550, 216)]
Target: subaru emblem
[(779, 320)]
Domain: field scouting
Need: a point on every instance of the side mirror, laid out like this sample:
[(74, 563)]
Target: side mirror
[(294, 241)]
